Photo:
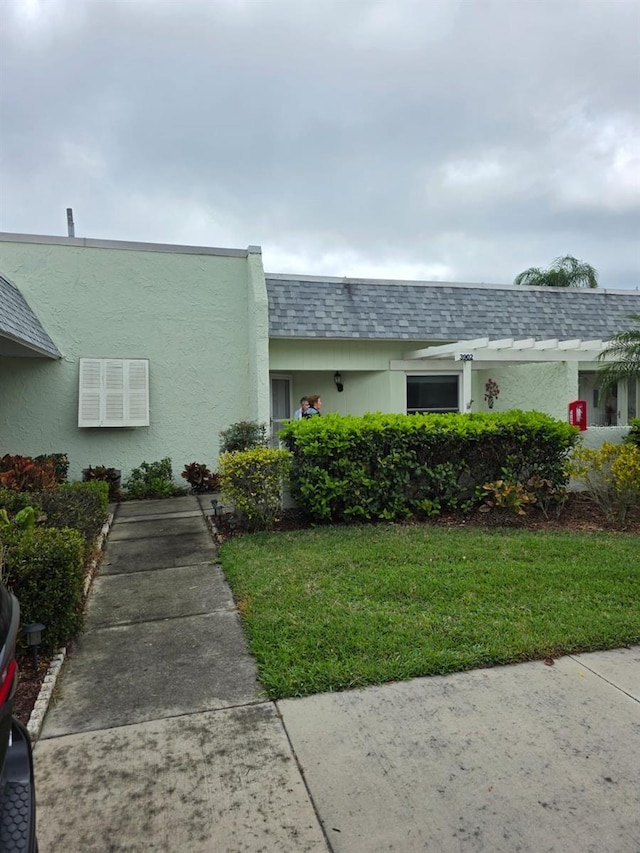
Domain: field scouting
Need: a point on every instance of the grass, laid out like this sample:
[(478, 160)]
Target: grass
[(338, 607)]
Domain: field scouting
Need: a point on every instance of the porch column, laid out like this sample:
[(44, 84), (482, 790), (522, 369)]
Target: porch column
[(623, 403), (466, 386)]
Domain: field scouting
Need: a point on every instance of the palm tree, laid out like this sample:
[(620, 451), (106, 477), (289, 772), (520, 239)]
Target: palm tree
[(624, 347), (563, 272)]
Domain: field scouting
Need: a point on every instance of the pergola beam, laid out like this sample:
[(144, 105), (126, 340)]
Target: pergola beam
[(508, 349)]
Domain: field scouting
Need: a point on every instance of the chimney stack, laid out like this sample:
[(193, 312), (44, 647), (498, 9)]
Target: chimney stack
[(70, 226)]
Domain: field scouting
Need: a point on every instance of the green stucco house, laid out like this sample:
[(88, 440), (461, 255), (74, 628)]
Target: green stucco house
[(118, 352)]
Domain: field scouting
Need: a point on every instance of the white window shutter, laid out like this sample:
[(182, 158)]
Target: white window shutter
[(137, 398), (114, 392), (90, 396)]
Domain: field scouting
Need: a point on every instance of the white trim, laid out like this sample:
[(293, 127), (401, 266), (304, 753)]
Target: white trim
[(485, 350)]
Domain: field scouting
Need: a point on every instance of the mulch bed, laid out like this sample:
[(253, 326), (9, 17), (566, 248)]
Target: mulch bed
[(29, 684), (579, 515)]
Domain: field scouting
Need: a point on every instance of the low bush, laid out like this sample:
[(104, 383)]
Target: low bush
[(200, 478), (44, 567), (24, 474), (611, 478), (252, 480), (244, 435), (633, 436), (378, 467), (151, 480), (83, 506), (14, 501), (503, 495), (111, 476)]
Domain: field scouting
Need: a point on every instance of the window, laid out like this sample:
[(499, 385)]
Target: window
[(114, 392), (436, 393)]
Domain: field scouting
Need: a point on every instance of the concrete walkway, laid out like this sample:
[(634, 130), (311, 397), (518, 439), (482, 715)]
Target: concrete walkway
[(160, 739)]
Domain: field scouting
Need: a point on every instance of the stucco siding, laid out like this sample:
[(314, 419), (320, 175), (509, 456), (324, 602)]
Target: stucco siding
[(329, 356), (187, 313), (545, 388)]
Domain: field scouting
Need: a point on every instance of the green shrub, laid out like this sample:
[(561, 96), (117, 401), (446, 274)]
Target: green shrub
[(83, 506), (45, 569), (152, 480), (379, 466), (14, 501), (111, 476), (252, 480), (633, 436), (243, 435), (611, 477), (200, 478)]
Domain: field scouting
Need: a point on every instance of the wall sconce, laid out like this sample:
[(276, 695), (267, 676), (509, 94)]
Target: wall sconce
[(34, 638), (337, 378)]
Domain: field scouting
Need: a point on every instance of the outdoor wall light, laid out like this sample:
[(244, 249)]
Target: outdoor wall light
[(34, 638), (337, 378)]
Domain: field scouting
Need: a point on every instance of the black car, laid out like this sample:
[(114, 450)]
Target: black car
[(17, 791)]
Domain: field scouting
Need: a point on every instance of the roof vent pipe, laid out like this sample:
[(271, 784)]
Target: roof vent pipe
[(71, 228)]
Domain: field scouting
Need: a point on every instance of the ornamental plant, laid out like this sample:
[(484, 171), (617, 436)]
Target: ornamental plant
[(200, 478), (513, 498), (491, 392), (611, 478), (252, 481), (24, 474)]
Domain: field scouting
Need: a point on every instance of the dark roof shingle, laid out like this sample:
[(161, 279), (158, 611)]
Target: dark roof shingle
[(19, 323), (433, 311)]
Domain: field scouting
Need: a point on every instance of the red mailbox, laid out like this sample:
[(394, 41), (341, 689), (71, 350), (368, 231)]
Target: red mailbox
[(578, 414)]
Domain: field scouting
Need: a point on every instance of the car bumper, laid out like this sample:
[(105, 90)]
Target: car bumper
[(18, 797)]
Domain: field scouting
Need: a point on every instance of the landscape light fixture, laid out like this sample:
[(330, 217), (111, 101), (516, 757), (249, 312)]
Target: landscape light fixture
[(34, 638), (337, 378)]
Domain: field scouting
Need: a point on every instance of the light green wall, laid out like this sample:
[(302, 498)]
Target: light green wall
[(370, 385), (189, 314), (544, 387)]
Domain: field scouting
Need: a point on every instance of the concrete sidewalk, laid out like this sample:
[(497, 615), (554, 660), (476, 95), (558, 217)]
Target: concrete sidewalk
[(161, 740)]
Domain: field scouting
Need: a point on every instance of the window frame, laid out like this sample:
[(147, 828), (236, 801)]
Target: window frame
[(457, 374)]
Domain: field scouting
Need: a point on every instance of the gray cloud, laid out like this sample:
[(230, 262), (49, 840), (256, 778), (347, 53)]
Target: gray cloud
[(464, 140)]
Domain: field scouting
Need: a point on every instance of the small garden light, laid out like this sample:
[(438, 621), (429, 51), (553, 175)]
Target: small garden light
[(34, 638)]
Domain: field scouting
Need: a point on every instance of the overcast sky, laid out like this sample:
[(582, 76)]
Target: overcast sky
[(461, 140)]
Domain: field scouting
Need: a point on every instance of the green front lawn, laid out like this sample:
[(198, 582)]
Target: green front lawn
[(338, 607)]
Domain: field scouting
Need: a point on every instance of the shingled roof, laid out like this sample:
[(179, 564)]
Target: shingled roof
[(19, 326), (308, 307)]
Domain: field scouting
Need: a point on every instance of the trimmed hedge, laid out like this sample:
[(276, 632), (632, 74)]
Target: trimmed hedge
[(380, 466), (13, 501), (252, 481), (83, 506), (44, 567)]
